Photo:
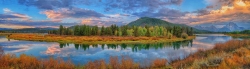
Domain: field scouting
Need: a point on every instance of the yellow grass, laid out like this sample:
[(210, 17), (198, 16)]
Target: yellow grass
[(234, 54), (94, 39)]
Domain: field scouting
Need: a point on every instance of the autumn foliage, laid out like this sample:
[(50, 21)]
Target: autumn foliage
[(232, 54)]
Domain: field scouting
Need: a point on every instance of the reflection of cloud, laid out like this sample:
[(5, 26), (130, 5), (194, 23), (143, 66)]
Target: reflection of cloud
[(51, 50), (17, 49)]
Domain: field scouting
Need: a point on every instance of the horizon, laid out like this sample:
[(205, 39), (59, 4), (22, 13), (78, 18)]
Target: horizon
[(17, 14)]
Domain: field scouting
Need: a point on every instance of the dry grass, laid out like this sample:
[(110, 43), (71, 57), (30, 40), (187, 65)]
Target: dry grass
[(94, 39), (8, 61), (125, 63), (232, 54)]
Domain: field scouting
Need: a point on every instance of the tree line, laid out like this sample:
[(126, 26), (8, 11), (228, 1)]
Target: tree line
[(240, 32), (114, 30)]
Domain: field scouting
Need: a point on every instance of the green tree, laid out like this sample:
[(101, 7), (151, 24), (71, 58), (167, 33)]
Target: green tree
[(61, 30), (136, 32), (130, 32), (76, 30), (102, 31)]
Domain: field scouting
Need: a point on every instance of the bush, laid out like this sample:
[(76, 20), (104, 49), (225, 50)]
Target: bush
[(184, 35), (169, 35)]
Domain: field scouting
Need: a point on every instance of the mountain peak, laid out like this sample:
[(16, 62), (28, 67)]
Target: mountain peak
[(143, 21), (227, 28)]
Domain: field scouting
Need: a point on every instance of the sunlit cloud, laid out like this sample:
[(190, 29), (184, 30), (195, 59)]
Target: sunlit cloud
[(14, 26), (237, 12), (10, 15)]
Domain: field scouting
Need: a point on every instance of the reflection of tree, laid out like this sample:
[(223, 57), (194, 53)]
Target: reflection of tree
[(112, 46), (103, 46), (177, 45), (135, 47), (77, 46), (84, 47), (63, 45), (123, 46), (95, 45)]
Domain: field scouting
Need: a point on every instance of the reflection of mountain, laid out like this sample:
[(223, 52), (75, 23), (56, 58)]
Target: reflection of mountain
[(227, 28), (135, 47), (215, 39)]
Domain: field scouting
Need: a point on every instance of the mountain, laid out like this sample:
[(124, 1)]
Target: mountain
[(143, 21), (31, 30), (2, 29), (227, 28)]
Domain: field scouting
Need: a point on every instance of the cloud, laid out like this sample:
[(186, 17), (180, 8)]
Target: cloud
[(14, 26), (47, 4), (6, 10), (71, 13), (165, 12), (139, 5), (8, 14), (124, 5), (32, 24), (99, 22), (232, 11)]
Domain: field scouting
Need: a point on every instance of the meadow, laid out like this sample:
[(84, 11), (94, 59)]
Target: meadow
[(94, 39)]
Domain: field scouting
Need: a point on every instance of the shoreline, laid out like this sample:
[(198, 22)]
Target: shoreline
[(93, 39), (239, 35)]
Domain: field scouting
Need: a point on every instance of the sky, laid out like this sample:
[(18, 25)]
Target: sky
[(17, 14)]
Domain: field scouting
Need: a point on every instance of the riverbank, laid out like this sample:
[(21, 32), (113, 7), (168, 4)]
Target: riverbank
[(94, 39), (233, 54), (239, 35)]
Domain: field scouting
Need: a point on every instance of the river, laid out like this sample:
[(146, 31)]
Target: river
[(143, 53)]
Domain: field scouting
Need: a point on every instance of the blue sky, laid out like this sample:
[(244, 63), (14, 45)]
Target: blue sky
[(52, 13)]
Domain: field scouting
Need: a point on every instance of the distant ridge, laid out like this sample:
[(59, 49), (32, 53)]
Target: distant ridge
[(143, 21)]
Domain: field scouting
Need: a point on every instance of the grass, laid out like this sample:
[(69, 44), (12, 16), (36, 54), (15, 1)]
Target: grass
[(239, 35), (9, 61), (94, 39), (232, 54)]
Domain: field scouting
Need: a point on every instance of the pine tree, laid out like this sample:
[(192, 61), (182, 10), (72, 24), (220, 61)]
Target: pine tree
[(61, 30), (76, 30), (102, 31)]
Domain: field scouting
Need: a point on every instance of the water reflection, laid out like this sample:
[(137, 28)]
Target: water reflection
[(82, 53), (135, 47)]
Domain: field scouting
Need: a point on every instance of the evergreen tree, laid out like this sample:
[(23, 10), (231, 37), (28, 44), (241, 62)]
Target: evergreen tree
[(76, 30), (102, 31), (61, 30)]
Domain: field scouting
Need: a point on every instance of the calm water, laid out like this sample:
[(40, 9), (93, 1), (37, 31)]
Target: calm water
[(81, 54)]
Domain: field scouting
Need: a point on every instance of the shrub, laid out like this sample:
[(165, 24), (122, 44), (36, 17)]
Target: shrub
[(184, 35)]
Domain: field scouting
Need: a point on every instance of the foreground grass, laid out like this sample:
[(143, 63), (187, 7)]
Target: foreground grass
[(234, 54), (8, 61), (94, 39)]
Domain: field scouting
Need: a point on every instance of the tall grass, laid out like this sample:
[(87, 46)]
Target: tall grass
[(9, 61), (231, 54)]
